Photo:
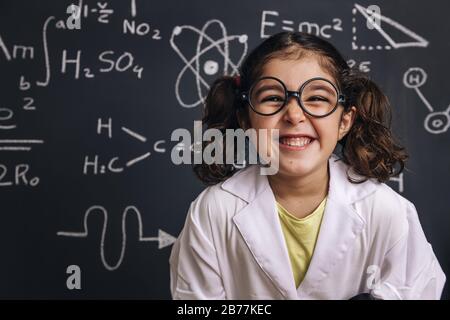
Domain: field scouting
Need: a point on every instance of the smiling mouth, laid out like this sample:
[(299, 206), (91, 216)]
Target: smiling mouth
[(296, 143)]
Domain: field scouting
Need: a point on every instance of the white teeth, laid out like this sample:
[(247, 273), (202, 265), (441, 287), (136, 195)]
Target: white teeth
[(297, 142)]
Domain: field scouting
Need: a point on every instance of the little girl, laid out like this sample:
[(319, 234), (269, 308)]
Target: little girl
[(324, 226)]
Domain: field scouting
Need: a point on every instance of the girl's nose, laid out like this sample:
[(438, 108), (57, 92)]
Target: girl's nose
[(294, 112)]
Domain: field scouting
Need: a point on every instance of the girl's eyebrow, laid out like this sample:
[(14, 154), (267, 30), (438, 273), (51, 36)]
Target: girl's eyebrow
[(267, 87), (317, 86)]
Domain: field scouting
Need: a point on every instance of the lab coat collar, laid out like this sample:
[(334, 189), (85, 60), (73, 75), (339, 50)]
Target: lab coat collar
[(248, 183), (264, 237)]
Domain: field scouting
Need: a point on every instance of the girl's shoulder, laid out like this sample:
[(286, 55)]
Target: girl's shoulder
[(215, 203), (387, 212), (371, 196), (384, 211)]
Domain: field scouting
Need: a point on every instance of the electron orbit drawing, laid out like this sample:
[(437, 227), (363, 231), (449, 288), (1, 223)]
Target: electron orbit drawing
[(219, 55)]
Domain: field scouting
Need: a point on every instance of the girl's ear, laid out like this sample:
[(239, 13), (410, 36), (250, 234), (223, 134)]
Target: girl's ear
[(347, 119)]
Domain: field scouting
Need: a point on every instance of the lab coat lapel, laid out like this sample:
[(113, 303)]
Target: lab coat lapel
[(259, 226), (337, 233), (340, 226)]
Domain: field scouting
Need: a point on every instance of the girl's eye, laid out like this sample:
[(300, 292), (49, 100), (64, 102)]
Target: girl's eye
[(272, 99), (317, 98)]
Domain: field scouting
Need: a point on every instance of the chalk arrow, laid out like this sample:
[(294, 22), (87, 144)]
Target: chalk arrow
[(164, 239)]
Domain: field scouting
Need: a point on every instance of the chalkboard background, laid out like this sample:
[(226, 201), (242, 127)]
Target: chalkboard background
[(86, 117)]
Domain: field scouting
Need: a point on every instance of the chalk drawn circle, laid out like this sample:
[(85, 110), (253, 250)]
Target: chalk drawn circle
[(34, 182), (437, 122), (8, 114), (177, 30), (412, 75), (211, 67), (243, 38)]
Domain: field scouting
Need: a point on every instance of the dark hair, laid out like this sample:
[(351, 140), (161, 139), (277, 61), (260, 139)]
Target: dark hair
[(369, 148)]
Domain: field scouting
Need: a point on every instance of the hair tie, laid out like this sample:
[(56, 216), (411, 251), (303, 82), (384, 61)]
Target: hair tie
[(237, 80)]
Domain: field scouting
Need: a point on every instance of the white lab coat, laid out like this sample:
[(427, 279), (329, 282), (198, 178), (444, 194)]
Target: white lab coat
[(370, 240)]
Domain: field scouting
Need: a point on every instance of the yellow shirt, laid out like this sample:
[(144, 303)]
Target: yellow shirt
[(301, 236)]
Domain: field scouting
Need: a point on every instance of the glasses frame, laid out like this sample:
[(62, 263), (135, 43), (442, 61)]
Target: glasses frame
[(297, 94)]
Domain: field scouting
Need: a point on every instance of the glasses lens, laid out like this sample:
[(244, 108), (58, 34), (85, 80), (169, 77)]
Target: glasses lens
[(319, 97), (267, 96)]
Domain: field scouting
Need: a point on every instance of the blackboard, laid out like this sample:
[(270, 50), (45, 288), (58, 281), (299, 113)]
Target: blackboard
[(89, 99)]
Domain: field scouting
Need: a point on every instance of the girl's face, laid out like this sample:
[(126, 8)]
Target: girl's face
[(292, 120)]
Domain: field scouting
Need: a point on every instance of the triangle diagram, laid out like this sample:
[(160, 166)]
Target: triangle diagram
[(386, 27)]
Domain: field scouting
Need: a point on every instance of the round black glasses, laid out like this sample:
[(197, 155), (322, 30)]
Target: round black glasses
[(318, 97)]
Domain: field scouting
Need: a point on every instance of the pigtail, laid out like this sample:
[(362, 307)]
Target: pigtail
[(370, 147), (220, 112)]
